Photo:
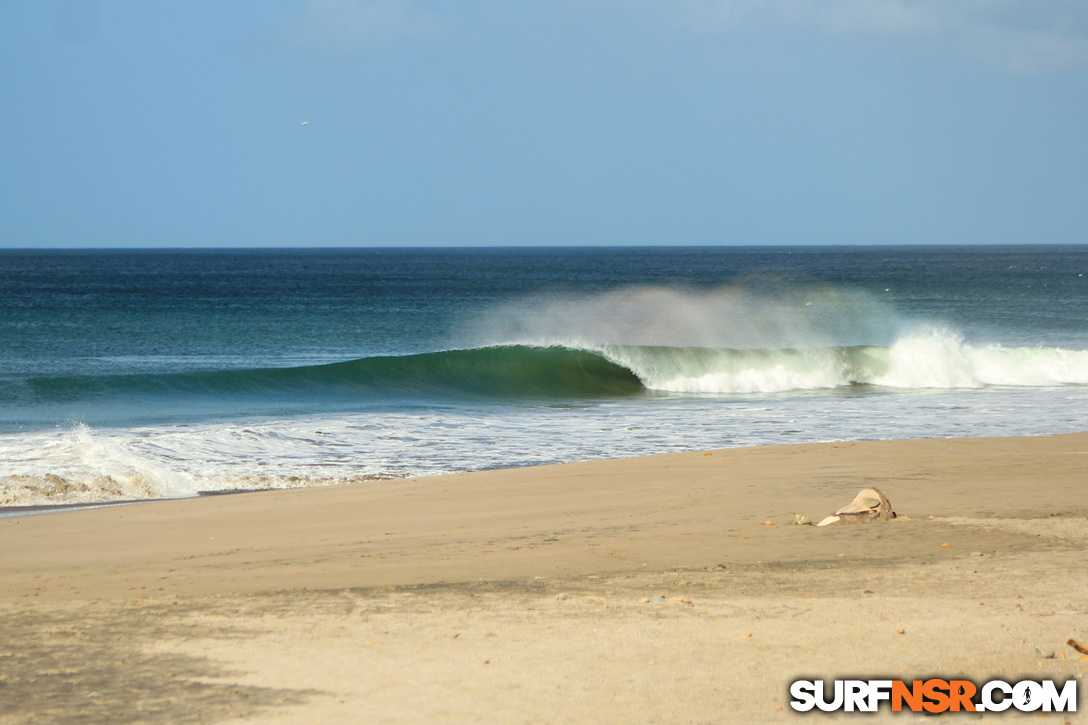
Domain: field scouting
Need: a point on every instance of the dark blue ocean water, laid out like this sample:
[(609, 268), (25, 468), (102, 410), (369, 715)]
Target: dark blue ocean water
[(146, 373)]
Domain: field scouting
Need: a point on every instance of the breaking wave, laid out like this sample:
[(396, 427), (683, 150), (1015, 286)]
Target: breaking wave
[(81, 464), (929, 360)]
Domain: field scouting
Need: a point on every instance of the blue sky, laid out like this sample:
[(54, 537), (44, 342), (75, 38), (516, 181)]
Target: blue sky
[(660, 122)]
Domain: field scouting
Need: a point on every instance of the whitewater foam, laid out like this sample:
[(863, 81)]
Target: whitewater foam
[(84, 465), (940, 359), (932, 359), (709, 371), (79, 465)]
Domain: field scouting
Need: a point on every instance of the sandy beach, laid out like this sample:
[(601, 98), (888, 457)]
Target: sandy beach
[(671, 588)]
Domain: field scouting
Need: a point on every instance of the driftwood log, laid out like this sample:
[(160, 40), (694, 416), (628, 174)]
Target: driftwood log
[(869, 505)]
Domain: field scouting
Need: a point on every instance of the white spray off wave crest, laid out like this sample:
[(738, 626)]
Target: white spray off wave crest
[(748, 315)]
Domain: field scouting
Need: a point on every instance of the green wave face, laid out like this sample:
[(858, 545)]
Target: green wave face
[(512, 371), (507, 371)]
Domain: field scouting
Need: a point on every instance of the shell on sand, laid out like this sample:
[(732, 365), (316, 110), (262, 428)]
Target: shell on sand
[(869, 505)]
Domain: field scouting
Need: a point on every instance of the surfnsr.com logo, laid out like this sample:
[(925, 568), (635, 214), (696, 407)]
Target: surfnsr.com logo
[(934, 696)]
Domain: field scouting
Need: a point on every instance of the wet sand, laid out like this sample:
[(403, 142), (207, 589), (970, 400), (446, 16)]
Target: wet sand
[(633, 590)]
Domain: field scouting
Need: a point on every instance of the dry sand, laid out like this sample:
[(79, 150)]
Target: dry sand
[(628, 591)]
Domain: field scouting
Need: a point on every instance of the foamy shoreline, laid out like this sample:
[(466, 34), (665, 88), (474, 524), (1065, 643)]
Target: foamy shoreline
[(58, 508), (628, 589)]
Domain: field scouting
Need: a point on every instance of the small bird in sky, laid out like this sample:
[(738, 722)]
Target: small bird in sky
[(305, 123)]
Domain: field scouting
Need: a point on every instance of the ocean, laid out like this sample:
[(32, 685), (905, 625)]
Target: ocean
[(169, 373)]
